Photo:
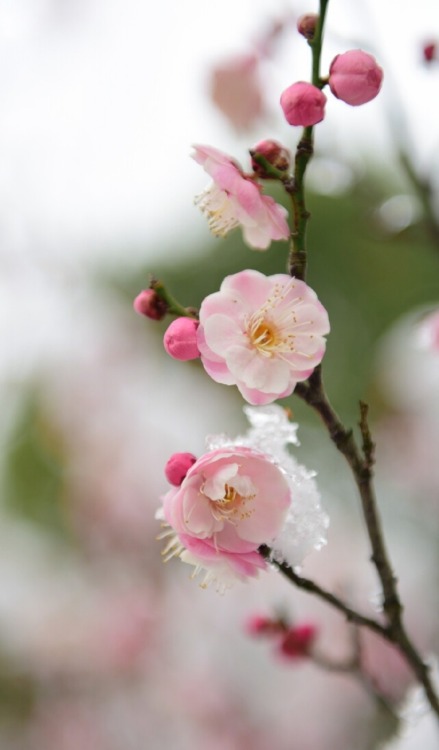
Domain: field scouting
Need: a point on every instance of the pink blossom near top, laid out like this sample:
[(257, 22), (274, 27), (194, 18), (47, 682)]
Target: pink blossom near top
[(231, 501), (235, 88), (235, 199), (262, 334), (303, 104), (355, 77)]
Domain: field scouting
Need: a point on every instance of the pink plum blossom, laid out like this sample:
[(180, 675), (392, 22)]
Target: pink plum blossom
[(230, 502), (303, 104), (355, 77), (262, 334), (235, 199), (180, 339)]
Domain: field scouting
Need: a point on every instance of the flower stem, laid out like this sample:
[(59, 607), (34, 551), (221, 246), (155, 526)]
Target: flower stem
[(174, 307), (306, 584), (305, 149), (361, 464)]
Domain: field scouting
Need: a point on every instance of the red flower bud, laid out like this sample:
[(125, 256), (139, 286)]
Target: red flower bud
[(298, 640), (178, 466), (149, 303), (303, 104), (355, 77), (180, 339), (307, 24), (429, 51), (274, 152)]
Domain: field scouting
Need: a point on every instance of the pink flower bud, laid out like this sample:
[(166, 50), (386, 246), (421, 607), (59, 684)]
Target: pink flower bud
[(180, 340), (429, 52), (149, 303), (274, 152), (178, 466), (306, 25), (355, 77), (303, 104), (298, 640), (257, 625)]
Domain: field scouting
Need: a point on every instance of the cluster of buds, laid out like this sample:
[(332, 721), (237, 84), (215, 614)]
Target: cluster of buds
[(354, 77), (292, 642)]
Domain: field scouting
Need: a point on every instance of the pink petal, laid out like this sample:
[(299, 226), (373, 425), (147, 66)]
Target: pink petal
[(214, 486), (252, 286), (197, 515), (221, 333)]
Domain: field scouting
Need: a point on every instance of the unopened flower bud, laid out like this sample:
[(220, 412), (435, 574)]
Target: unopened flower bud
[(297, 641), (178, 466), (303, 104), (180, 339), (307, 24), (259, 625), (429, 52), (274, 153), (355, 77), (150, 304)]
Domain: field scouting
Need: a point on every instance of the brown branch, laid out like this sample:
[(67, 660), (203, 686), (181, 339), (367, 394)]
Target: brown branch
[(306, 584), (313, 393)]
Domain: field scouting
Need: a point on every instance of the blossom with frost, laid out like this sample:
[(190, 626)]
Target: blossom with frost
[(418, 727), (262, 334), (240, 494), (234, 199), (303, 104), (355, 77)]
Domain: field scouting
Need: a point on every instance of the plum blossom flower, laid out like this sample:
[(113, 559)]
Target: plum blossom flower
[(237, 497), (231, 501), (262, 334), (235, 199)]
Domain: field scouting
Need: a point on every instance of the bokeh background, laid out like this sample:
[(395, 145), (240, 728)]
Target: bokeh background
[(101, 645)]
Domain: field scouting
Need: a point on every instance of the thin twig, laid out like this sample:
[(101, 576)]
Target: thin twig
[(311, 587), (313, 393)]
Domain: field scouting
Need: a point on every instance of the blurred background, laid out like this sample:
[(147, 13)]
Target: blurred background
[(101, 645)]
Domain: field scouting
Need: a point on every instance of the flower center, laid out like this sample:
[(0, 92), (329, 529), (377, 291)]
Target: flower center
[(263, 336), (232, 506), (229, 496), (217, 206)]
